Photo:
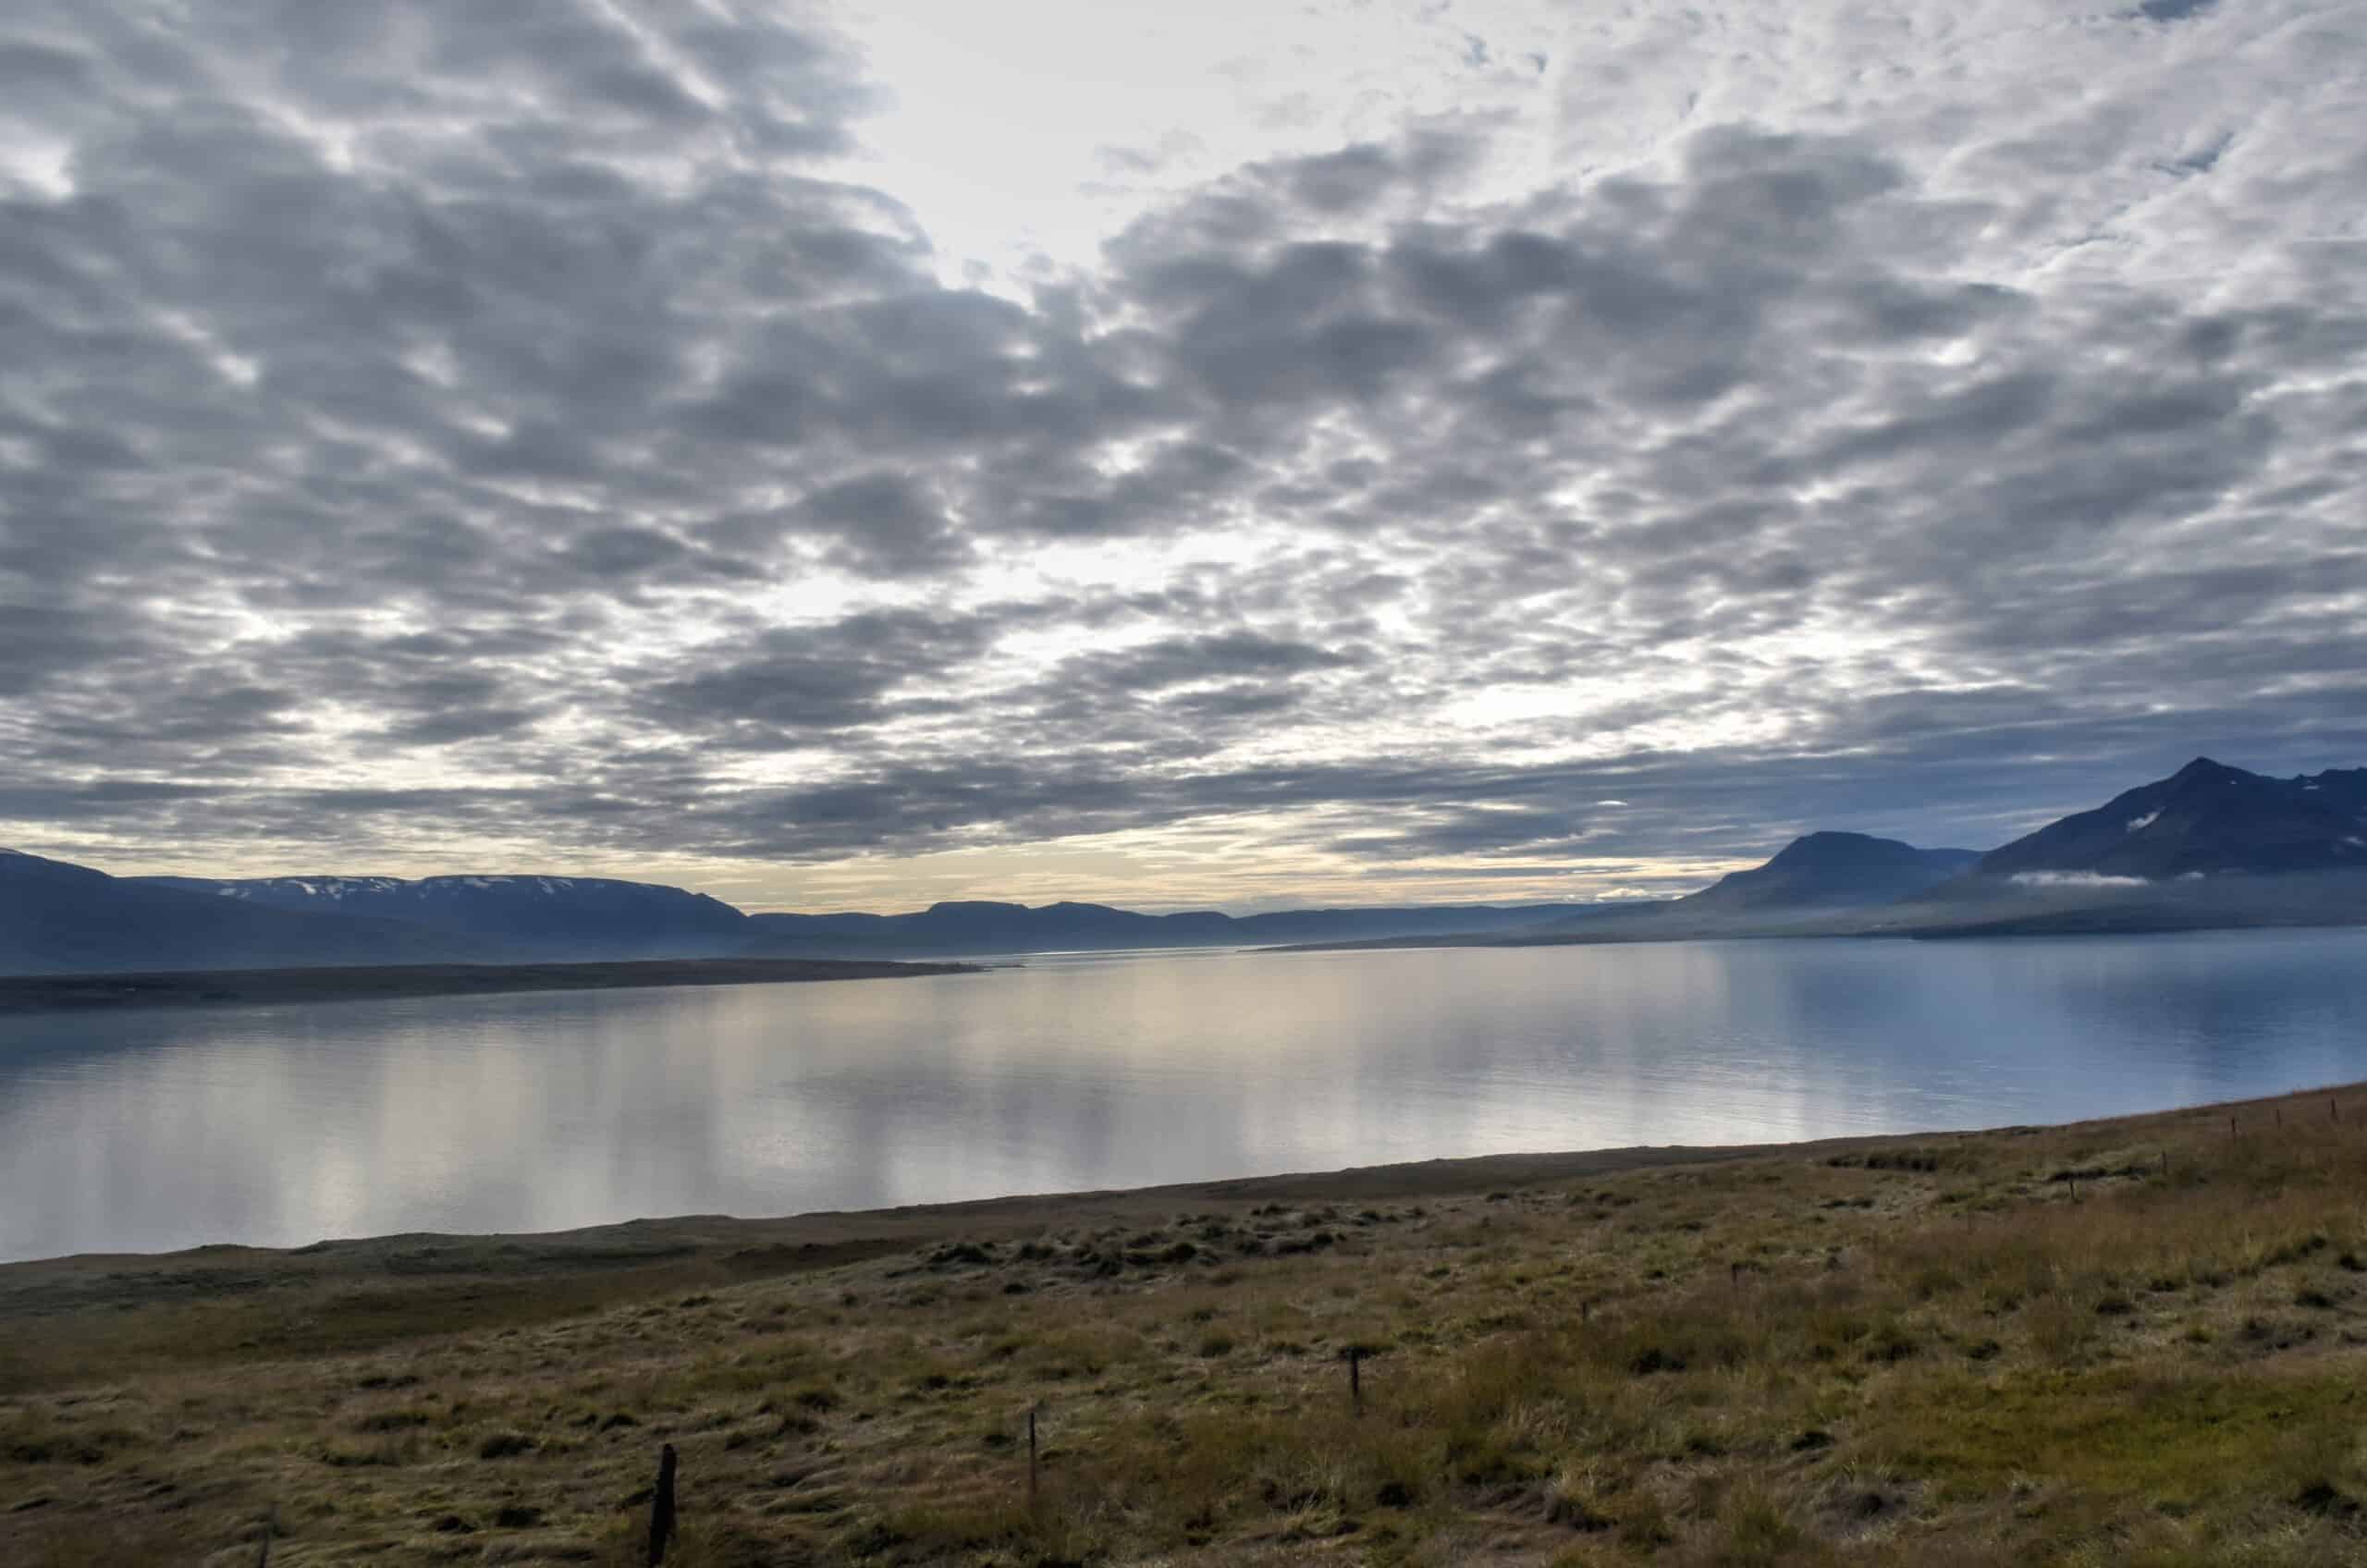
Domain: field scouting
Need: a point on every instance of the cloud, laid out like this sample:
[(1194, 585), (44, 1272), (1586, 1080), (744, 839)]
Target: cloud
[(2073, 879), (450, 432)]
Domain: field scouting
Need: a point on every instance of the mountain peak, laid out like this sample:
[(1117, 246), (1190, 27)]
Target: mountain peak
[(1829, 870), (1826, 840), (2206, 819)]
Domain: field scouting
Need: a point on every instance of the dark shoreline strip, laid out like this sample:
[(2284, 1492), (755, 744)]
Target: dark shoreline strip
[(58, 993)]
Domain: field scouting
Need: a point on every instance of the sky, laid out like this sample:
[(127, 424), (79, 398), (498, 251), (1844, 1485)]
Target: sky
[(1241, 454)]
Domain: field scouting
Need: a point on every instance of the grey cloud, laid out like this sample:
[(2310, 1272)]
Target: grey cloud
[(392, 408)]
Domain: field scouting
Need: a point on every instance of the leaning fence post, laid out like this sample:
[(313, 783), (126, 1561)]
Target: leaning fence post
[(661, 1506), (270, 1528)]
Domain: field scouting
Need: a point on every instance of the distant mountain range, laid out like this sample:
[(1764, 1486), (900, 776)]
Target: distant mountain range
[(525, 917), (61, 919), (979, 927), (57, 918), (2211, 845)]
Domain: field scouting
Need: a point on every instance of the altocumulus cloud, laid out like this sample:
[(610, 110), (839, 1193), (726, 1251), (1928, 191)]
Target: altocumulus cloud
[(435, 430)]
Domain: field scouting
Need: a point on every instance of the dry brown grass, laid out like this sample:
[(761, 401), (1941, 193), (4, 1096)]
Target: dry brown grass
[(1908, 1351)]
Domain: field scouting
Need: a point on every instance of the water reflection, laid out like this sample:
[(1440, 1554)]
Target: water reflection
[(283, 1124)]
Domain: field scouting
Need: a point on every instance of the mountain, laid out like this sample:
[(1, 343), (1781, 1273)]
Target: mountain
[(505, 918), (983, 927), (1831, 871), (57, 919), (2206, 819)]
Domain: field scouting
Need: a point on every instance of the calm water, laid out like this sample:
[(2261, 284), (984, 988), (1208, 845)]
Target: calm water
[(286, 1124)]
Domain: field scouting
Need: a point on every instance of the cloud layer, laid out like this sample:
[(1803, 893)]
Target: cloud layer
[(445, 433)]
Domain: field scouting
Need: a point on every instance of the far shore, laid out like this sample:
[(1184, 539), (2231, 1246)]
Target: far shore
[(45, 992)]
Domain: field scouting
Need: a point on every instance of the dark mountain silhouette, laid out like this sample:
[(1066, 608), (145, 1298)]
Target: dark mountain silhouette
[(1831, 871), (981, 927), (2209, 846), (512, 918), (60, 919), (2206, 819), (57, 918)]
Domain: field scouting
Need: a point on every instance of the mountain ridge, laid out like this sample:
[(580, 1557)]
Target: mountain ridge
[(2208, 845), (2207, 819)]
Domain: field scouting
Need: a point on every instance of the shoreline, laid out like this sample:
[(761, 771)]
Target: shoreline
[(1873, 1349), (232, 988), (828, 1232)]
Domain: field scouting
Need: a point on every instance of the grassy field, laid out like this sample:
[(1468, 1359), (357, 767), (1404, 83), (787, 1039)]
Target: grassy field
[(2130, 1342)]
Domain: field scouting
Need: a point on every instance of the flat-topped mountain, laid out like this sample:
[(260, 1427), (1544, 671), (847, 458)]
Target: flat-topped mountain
[(57, 918), (522, 918), (2206, 819)]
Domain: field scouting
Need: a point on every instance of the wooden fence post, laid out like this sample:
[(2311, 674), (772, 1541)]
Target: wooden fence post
[(1356, 1379), (270, 1528), (1031, 1457), (661, 1506)]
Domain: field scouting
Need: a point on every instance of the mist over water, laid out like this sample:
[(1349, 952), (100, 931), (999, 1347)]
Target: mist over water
[(281, 1125)]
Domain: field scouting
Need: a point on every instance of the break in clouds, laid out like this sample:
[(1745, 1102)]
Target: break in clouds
[(434, 435)]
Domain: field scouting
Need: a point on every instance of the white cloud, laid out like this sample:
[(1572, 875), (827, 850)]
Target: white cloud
[(2074, 879)]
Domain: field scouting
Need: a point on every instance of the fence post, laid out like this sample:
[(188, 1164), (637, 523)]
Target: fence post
[(1031, 1457), (661, 1506), (270, 1528), (1356, 1379)]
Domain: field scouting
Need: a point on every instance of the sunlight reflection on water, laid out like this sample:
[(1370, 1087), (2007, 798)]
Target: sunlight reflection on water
[(282, 1125)]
